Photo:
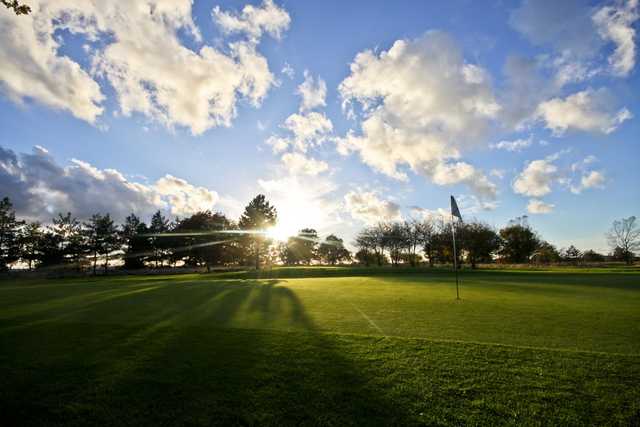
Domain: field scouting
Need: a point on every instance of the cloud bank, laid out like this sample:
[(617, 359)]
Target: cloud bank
[(40, 188)]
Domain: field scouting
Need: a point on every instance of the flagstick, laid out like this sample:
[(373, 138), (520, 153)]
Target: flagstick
[(455, 255)]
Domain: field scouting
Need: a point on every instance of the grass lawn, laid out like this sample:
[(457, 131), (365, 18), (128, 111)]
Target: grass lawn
[(367, 347)]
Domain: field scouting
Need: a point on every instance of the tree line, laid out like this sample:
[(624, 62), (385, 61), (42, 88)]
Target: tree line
[(409, 242), (210, 239), (204, 239)]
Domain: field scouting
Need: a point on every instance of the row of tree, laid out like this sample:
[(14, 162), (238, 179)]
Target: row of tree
[(306, 248), (408, 241), (202, 239), (207, 239)]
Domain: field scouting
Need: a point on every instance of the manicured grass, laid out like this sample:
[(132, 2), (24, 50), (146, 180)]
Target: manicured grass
[(348, 347)]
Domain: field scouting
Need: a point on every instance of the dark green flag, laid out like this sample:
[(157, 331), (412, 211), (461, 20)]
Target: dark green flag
[(454, 209)]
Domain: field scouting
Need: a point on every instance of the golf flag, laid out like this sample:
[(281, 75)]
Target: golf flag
[(454, 209), (455, 212)]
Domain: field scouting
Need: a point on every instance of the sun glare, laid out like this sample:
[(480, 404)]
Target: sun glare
[(297, 209), (281, 233)]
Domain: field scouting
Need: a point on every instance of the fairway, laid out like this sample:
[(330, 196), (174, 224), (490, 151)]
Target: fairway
[(555, 347)]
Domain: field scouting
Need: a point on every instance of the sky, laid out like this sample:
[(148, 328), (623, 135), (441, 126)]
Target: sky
[(342, 113)]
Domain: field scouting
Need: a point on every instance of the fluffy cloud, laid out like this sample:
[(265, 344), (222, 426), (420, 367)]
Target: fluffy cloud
[(366, 206), (304, 130), (593, 179), (456, 172), (536, 206), (589, 180), (471, 204), (439, 214), (184, 198), (539, 177), (515, 145), (40, 188), (254, 21), (138, 50), (288, 70), (313, 93), (31, 68), (536, 178), (297, 163), (468, 204), (307, 130), (422, 106), (615, 23), (579, 36), (498, 173), (589, 110)]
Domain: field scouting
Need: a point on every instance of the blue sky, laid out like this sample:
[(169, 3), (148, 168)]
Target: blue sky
[(515, 108)]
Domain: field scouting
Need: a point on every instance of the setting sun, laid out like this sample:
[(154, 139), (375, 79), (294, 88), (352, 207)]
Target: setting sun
[(281, 232), (300, 205)]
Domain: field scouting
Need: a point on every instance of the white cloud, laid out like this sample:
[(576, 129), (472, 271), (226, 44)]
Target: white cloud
[(569, 70), (536, 178), (536, 206), (578, 34), (253, 21), (367, 207), (456, 172), (422, 106), (304, 130), (288, 70), (593, 179), (589, 110), (138, 50), (439, 214), (615, 23), (584, 163), (40, 188), (307, 130), (498, 173), (30, 67), (589, 180), (515, 145), (297, 163), (313, 92), (184, 198), (278, 144), (470, 204)]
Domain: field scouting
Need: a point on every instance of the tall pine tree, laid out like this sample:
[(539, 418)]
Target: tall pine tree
[(159, 225), (9, 235), (136, 243), (258, 216)]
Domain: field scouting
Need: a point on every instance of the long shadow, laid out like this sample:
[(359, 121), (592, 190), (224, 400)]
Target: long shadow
[(205, 353)]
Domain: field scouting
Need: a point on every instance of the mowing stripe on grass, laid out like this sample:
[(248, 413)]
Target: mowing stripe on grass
[(368, 319)]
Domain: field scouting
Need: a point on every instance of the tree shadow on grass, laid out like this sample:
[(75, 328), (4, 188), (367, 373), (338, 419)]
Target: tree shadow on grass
[(203, 353)]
